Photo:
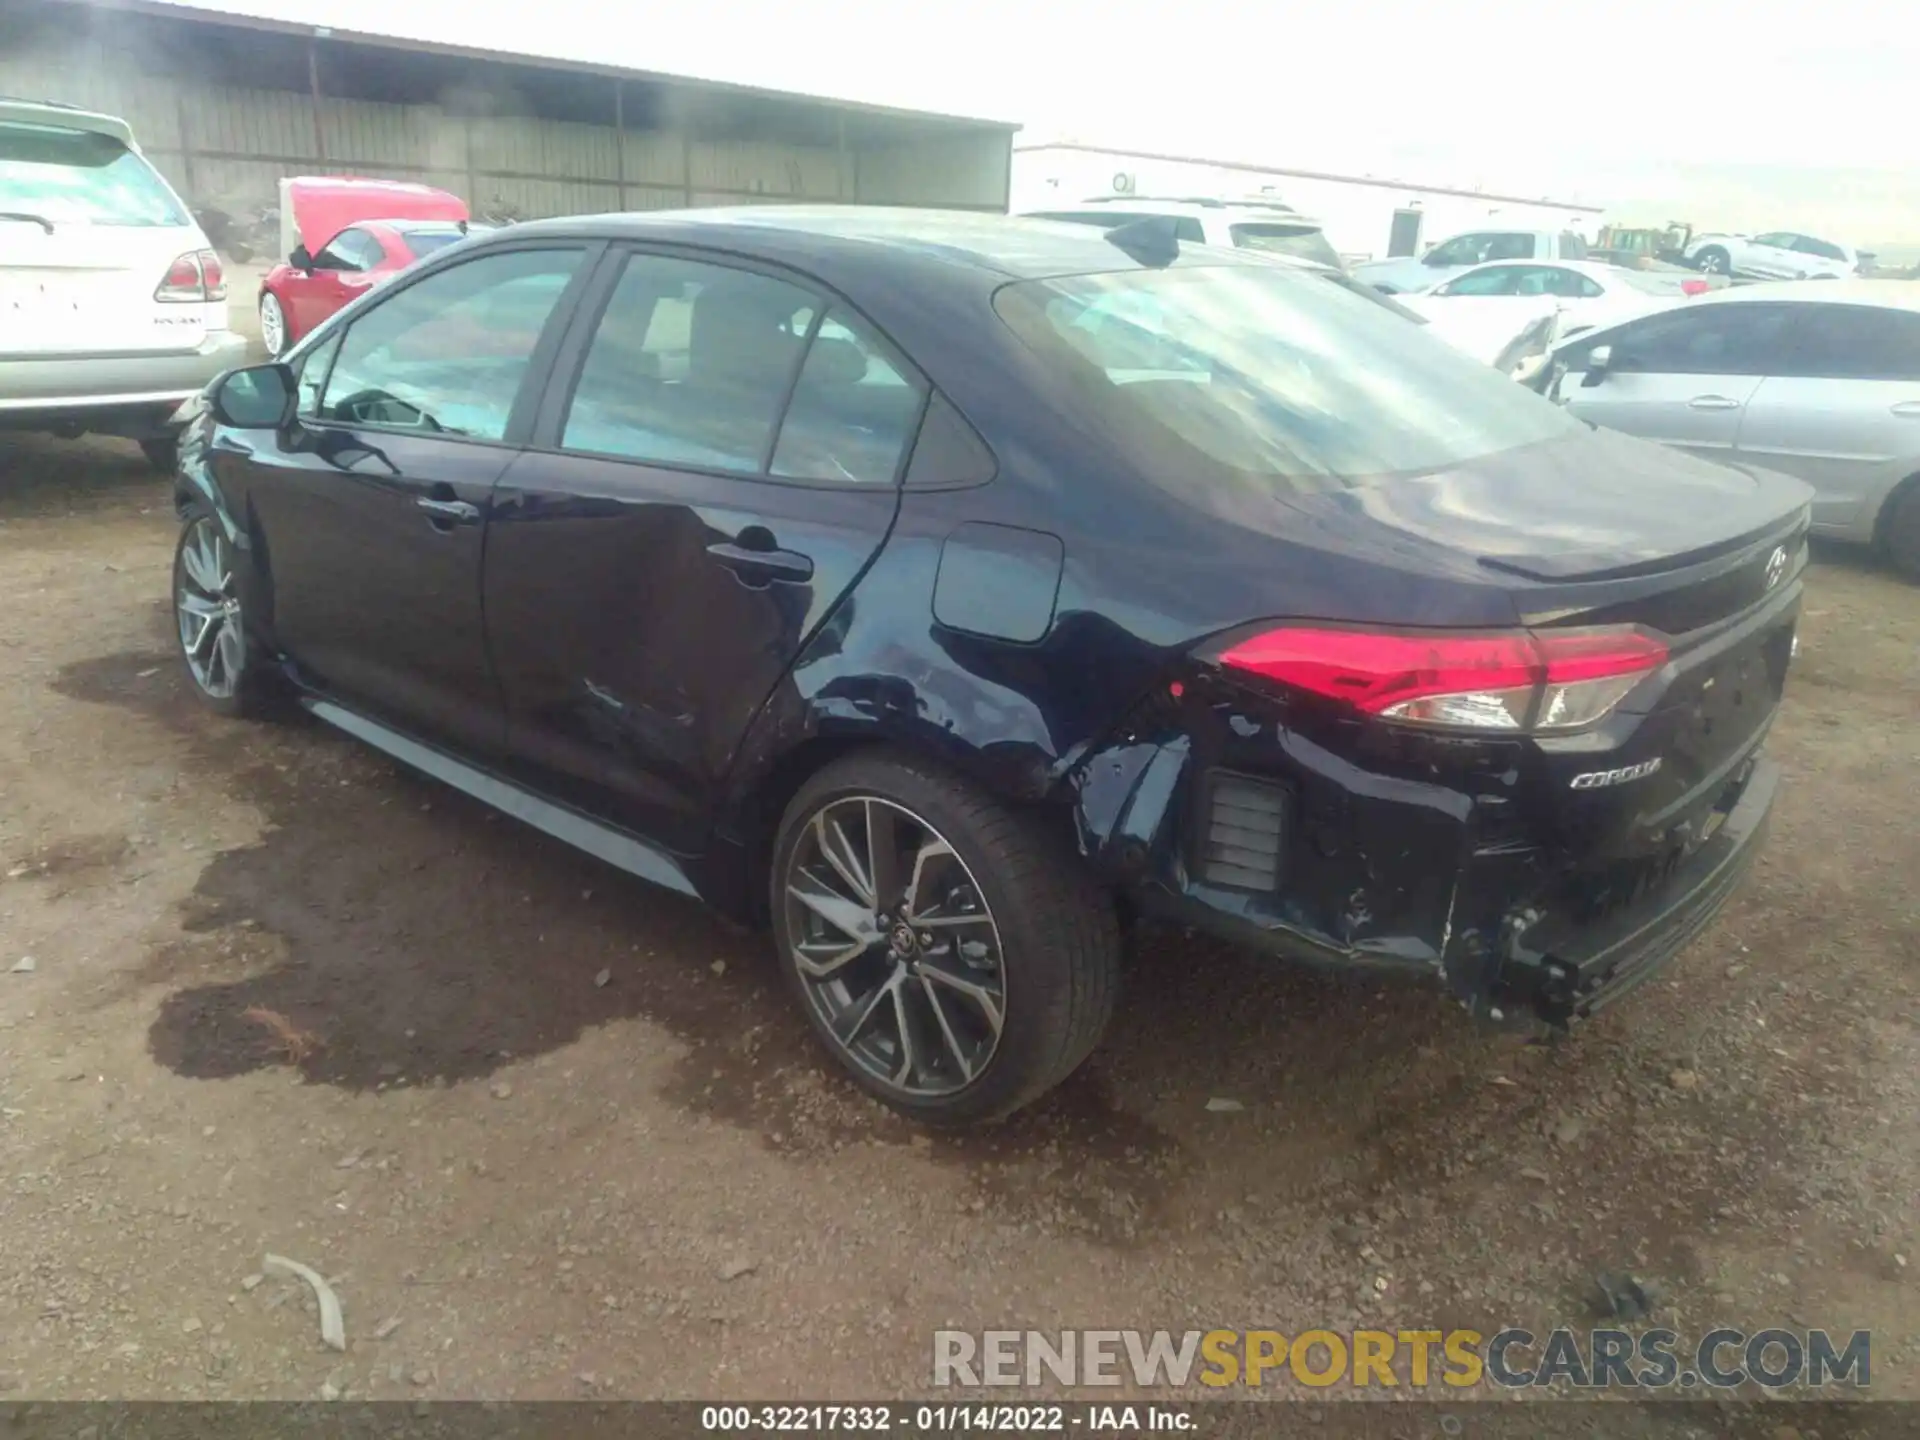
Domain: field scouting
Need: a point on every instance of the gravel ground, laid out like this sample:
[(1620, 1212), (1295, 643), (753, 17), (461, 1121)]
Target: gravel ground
[(554, 1134)]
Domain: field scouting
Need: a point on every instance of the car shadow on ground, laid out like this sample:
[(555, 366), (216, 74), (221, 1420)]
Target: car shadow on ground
[(43, 475)]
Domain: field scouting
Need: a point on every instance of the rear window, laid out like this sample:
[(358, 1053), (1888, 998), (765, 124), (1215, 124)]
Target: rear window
[(75, 177), (1306, 241), (425, 242), (1269, 381), (1185, 226)]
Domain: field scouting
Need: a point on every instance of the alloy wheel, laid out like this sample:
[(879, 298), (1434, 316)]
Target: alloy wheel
[(896, 948), (208, 612), (273, 324), (1713, 263)]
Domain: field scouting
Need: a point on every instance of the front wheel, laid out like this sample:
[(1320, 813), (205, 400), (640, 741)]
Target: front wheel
[(210, 624), (1713, 261), (273, 324), (1900, 535), (953, 958)]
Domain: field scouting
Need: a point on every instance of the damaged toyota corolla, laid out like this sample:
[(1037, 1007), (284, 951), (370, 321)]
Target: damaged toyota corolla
[(943, 591)]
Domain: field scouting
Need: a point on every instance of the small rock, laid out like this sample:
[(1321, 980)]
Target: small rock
[(396, 1373), (1568, 1130), (1222, 1106), (719, 967), (386, 1328), (738, 1266), (600, 980), (1901, 1261), (588, 1379), (347, 1162), (329, 1391), (1380, 1284), (18, 871), (502, 1090), (420, 1377), (252, 1282), (1501, 1080), (25, 965), (922, 1143), (190, 1326), (1530, 1172), (1684, 1079)]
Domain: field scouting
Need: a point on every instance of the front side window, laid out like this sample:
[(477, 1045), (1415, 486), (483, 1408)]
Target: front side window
[(1853, 342), (76, 177), (690, 365), (1707, 340), (312, 380), (351, 251), (1512, 246), (1495, 280), (1460, 250), (449, 354), (853, 411), (1777, 240), (1558, 281), (1258, 381), (1308, 242)]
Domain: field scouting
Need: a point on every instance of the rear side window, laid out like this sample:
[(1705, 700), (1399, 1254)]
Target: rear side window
[(690, 365), (1707, 340), (1495, 280), (1572, 247), (1306, 241), (449, 354), (1854, 342), (75, 177), (1826, 250), (853, 411)]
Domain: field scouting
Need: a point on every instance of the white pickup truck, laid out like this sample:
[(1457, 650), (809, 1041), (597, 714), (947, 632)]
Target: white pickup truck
[(1409, 274)]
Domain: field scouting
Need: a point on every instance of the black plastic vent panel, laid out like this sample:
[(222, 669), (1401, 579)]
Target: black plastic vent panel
[(1246, 829)]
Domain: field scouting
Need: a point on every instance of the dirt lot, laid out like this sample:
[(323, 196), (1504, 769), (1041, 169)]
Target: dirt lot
[(286, 998)]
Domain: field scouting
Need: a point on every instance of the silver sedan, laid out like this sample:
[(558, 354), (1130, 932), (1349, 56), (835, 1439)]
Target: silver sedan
[(1821, 381)]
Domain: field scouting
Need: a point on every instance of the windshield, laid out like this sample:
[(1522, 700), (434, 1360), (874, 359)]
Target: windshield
[(1306, 241), (75, 177), (1263, 378)]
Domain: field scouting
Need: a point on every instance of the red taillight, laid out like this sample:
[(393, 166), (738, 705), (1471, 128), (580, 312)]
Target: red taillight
[(1517, 680), (196, 277), (1694, 287)]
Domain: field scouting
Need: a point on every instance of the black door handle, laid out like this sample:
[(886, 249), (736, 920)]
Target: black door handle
[(763, 565), (449, 512)]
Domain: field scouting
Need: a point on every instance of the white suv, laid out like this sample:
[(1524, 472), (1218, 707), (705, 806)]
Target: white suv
[(1233, 224), (113, 308)]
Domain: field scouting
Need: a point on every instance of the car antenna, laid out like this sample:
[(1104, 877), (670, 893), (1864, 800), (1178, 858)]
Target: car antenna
[(1152, 240)]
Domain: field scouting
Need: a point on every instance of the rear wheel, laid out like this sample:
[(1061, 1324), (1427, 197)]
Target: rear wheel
[(952, 957), (1713, 261), (1900, 532), (273, 324)]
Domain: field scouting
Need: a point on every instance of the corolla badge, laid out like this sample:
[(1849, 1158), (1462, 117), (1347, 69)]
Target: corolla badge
[(1599, 779), (1776, 566)]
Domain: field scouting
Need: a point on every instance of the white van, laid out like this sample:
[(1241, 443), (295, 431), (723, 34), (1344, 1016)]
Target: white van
[(113, 307)]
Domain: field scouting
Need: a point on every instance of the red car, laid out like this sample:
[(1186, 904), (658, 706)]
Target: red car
[(341, 238)]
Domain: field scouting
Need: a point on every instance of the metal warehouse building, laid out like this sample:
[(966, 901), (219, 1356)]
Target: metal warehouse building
[(226, 105)]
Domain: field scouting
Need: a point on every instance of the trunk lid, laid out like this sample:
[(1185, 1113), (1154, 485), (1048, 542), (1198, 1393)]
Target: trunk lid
[(89, 289)]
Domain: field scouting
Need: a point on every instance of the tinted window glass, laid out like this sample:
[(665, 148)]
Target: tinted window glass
[(1185, 226), (1306, 241), (1708, 340), (690, 365), (451, 352), (425, 242), (1855, 342), (1778, 239), (948, 451), (1460, 250), (853, 410), (1572, 247), (1807, 245), (1499, 280), (74, 177), (1556, 280), (313, 377), (350, 250), (1230, 382), (1510, 247)]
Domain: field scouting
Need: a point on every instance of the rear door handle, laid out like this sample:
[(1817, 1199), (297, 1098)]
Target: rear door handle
[(754, 563), (1907, 409), (1712, 402), (454, 512)]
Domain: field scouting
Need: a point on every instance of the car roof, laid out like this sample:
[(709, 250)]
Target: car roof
[(68, 117), (838, 242), (1887, 294), (1233, 212)]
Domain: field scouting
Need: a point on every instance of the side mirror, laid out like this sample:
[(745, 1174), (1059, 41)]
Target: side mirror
[(300, 259), (257, 397), (1599, 362)]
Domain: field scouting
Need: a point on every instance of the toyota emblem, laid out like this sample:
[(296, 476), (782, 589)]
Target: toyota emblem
[(1776, 565)]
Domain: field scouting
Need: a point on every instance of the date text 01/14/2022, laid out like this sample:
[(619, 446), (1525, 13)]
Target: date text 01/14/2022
[(945, 1419)]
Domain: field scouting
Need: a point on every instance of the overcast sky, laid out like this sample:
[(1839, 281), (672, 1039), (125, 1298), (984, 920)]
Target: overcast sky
[(1729, 114)]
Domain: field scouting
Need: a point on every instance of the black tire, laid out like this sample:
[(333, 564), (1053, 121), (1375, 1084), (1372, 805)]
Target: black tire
[(1057, 933), (1900, 531), (252, 694), (162, 452)]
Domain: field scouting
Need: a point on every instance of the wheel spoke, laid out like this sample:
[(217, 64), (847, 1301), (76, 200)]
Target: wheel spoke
[(952, 1041), (950, 922), (903, 1025), (227, 647), (933, 849), (210, 628), (849, 917), (839, 853), (199, 568), (982, 996), (852, 1022), (807, 955), (883, 855)]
